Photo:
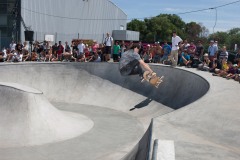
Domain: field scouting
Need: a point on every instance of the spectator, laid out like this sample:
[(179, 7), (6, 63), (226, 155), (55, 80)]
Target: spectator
[(95, 46), (158, 53), (232, 70), (185, 58), (108, 41), (185, 44), (48, 55), (176, 42), (141, 48), (123, 48), (223, 53), (237, 57), (192, 49), (25, 46), (205, 65), (87, 52), (60, 51), (12, 46), (199, 50), (42, 56), (67, 54), (224, 69), (81, 48), (237, 74), (214, 65), (212, 50), (26, 55), (166, 52), (10, 55), (100, 51), (55, 48), (147, 56), (3, 55), (54, 56), (19, 47), (74, 49), (17, 56), (116, 51), (94, 58)]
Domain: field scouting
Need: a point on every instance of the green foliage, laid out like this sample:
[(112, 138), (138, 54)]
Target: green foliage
[(229, 39), (221, 37), (160, 28), (193, 31)]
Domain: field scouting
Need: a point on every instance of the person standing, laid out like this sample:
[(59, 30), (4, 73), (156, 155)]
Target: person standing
[(212, 50), (176, 42), (81, 47), (108, 46), (116, 51)]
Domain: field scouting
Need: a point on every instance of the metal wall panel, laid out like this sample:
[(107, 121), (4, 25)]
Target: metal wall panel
[(86, 19), (126, 35)]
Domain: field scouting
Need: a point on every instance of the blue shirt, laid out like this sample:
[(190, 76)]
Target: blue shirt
[(186, 56), (212, 50), (166, 49)]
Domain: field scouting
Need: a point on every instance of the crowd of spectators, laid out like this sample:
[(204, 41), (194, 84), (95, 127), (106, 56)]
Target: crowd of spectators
[(210, 58)]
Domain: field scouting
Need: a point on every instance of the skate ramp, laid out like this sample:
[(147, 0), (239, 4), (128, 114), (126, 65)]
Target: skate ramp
[(27, 118), (100, 85)]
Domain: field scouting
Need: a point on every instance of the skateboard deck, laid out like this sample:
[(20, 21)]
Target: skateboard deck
[(153, 79)]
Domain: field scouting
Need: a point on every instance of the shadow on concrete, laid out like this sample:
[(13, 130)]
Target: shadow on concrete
[(142, 104)]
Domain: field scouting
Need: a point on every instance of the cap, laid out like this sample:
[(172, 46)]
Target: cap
[(212, 41), (205, 55)]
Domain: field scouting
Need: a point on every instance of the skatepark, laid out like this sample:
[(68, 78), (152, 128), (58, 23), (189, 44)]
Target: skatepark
[(88, 111)]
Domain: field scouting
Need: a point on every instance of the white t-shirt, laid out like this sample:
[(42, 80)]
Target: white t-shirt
[(81, 47), (12, 46), (175, 41), (108, 41)]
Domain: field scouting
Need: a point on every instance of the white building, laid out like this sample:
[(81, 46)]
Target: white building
[(72, 19)]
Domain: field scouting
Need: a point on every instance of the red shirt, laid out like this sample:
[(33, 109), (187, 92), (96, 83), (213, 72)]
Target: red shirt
[(60, 49)]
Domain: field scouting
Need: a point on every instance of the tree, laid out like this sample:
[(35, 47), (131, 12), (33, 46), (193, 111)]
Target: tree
[(234, 31), (193, 30), (137, 25), (221, 37), (160, 28), (205, 31), (229, 38), (233, 38)]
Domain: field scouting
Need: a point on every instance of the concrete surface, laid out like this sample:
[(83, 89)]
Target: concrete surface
[(204, 126), (28, 119)]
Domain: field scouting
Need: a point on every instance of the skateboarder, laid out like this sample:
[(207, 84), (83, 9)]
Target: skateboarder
[(132, 64)]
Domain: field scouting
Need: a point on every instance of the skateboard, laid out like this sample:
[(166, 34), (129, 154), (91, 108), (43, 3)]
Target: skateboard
[(153, 79)]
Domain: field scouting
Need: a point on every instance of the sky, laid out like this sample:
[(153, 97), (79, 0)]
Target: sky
[(220, 19)]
